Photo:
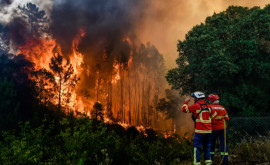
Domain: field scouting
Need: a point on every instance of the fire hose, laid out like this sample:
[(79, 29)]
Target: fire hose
[(224, 153)]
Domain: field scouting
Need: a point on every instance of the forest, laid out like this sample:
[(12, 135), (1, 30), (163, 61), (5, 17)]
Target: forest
[(68, 99)]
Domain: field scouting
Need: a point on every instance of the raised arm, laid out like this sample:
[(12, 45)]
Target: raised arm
[(189, 109)]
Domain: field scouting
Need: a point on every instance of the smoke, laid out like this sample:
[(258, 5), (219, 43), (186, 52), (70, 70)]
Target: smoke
[(18, 31), (5, 2), (105, 22), (169, 21), (162, 23), (171, 107), (114, 30)]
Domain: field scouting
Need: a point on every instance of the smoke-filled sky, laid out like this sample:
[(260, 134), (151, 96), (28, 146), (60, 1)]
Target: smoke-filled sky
[(169, 21), (160, 22)]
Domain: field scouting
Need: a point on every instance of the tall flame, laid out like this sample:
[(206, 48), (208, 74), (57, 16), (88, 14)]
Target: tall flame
[(127, 94), (41, 51)]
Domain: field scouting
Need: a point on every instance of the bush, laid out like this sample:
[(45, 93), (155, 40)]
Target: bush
[(86, 141)]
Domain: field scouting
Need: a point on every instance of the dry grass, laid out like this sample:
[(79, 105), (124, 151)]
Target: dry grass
[(251, 150), (248, 151)]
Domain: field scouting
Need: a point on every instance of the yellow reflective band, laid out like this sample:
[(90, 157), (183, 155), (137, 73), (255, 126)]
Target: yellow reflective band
[(203, 121), (194, 155), (212, 153), (203, 131), (208, 161), (213, 115), (219, 117), (226, 116), (198, 111), (222, 153), (186, 108)]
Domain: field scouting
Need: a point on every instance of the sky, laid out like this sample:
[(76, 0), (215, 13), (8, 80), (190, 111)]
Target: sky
[(164, 22), (169, 21)]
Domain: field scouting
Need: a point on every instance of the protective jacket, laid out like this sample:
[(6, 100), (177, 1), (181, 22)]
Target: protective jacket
[(203, 117), (218, 122)]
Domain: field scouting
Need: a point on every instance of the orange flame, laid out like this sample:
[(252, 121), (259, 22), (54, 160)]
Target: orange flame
[(40, 52), (124, 85), (116, 69)]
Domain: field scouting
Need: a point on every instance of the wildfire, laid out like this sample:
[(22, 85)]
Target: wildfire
[(103, 63), (116, 69), (41, 51), (77, 58), (38, 51), (120, 94)]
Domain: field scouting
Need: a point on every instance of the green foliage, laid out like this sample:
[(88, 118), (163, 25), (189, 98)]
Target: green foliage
[(9, 105), (229, 55), (86, 141)]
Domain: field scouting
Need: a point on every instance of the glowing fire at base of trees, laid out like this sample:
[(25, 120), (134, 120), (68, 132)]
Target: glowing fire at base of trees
[(110, 76), (125, 89)]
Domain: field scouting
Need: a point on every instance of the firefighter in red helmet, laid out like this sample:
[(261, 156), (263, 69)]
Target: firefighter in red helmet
[(219, 128), (202, 115)]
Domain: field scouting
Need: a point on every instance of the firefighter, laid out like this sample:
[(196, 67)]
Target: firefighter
[(202, 115), (219, 128)]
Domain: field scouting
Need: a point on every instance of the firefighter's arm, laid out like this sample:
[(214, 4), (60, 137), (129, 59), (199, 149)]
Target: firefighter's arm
[(226, 117), (185, 105), (213, 113), (188, 109)]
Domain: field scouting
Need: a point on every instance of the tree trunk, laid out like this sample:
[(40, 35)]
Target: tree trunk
[(129, 98), (98, 83), (59, 94)]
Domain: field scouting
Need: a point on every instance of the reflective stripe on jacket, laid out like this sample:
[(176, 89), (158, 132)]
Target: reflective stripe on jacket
[(218, 122), (203, 121)]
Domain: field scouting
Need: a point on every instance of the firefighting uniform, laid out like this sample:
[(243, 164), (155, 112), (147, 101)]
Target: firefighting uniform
[(203, 129), (218, 131)]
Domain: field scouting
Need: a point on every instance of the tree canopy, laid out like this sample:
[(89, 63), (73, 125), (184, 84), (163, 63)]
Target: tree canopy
[(228, 54)]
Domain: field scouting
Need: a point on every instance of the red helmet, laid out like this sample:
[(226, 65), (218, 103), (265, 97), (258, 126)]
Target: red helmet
[(213, 97)]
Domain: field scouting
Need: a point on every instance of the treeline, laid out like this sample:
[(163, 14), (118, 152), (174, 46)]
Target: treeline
[(85, 141), (228, 54), (21, 96), (33, 131)]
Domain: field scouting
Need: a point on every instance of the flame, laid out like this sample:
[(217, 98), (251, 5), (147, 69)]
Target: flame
[(40, 52), (122, 93), (127, 39), (116, 70)]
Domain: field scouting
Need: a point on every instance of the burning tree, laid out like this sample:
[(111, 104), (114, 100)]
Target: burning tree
[(56, 85), (65, 81), (115, 68), (43, 81)]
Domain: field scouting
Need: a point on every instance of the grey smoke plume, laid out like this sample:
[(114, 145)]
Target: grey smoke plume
[(110, 28), (5, 2), (105, 22)]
